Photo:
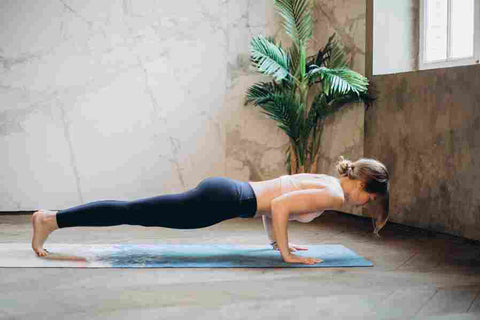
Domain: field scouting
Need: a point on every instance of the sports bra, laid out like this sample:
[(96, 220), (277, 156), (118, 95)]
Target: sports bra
[(287, 184)]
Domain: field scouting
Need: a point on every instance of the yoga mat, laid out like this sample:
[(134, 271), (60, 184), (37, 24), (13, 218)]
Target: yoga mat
[(62, 255)]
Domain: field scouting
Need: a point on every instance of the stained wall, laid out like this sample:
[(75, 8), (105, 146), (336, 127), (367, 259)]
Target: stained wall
[(426, 129)]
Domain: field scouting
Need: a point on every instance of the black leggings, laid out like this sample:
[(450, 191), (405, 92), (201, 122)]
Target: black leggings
[(213, 200)]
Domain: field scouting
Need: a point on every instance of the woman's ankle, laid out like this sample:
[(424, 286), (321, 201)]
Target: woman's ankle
[(51, 219)]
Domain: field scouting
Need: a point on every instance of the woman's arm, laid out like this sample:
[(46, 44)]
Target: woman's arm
[(301, 201), (267, 224), (280, 220)]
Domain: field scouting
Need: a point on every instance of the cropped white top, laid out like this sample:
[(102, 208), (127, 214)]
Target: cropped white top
[(287, 184)]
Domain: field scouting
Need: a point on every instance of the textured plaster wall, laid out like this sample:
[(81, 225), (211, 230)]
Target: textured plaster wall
[(426, 128), (128, 99)]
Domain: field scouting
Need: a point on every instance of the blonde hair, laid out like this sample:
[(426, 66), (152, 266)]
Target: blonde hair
[(376, 178)]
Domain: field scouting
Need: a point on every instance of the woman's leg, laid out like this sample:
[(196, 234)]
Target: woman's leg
[(195, 208), (181, 211), (215, 199)]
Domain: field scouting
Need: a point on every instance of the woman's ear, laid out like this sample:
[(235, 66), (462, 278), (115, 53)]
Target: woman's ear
[(361, 184)]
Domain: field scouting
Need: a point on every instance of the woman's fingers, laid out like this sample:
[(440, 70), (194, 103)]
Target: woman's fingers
[(298, 247), (298, 259)]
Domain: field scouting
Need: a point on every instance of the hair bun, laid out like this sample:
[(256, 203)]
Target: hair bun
[(344, 166)]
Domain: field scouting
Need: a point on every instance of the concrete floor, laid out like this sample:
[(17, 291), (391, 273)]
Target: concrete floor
[(417, 275)]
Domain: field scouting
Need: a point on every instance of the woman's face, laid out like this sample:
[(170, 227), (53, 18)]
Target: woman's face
[(358, 196)]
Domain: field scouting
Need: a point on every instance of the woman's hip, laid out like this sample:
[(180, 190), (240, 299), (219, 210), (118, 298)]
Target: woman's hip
[(232, 195)]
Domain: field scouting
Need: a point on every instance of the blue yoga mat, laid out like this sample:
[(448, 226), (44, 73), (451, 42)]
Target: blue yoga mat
[(173, 256)]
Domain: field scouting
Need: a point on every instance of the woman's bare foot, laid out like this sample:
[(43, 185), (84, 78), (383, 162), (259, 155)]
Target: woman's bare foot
[(43, 222)]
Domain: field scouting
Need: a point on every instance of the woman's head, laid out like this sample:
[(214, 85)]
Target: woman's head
[(366, 179)]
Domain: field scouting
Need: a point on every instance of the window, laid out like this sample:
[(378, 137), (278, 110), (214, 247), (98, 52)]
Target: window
[(449, 33)]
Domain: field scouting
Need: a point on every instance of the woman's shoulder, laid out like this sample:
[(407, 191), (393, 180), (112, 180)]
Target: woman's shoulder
[(318, 181), (315, 180)]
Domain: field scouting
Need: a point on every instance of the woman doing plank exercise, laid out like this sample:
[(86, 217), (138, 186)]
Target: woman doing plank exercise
[(301, 197)]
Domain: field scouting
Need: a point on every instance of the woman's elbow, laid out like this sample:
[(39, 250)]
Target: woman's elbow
[(278, 208)]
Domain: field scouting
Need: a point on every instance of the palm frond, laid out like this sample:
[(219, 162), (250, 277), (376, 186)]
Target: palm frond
[(297, 19), (342, 80), (315, 111), (295, 58), (322, 54), (263, 92), (331, 56), (336, 55), (316, 114), (322, 106), (284, 110), (338, 100), (269, 58)]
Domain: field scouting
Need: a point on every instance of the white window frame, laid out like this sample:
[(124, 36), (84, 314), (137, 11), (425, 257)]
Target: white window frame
[(449, 62)]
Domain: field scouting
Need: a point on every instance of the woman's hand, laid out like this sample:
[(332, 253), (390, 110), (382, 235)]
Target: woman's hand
[(292, 247), (291, 258)]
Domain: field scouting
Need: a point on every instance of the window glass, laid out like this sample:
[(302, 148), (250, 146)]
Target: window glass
[(436, 30), (462, 17)]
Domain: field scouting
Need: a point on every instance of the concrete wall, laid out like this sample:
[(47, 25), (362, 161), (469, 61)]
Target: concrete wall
[(425, 127), (127, 99)]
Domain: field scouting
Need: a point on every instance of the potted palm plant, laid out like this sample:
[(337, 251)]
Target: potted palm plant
[(303, 90)]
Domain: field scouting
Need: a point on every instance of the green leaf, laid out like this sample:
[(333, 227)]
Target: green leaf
[(336, 55), (284, 110), (263, 92), (269, 58), (336, 101), (297, 19), (295, 59), (331, 56), (342, 80)]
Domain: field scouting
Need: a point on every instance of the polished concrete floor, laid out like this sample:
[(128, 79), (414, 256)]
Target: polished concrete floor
[(417, 275)]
